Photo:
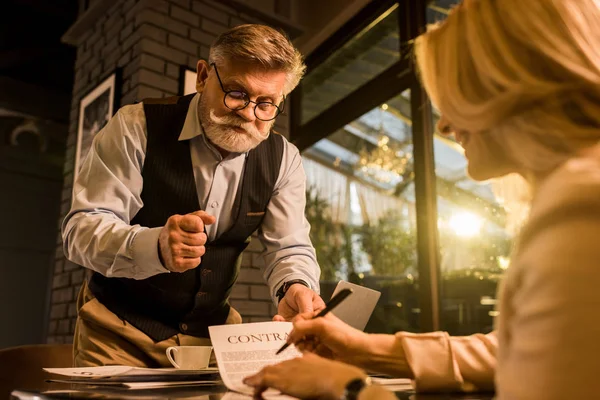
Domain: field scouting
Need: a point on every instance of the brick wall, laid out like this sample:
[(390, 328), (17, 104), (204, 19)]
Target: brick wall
[(149, 40)]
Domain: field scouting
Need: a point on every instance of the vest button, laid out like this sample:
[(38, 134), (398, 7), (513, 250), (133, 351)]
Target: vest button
[(184, 327), (205, 272), (200, 294)]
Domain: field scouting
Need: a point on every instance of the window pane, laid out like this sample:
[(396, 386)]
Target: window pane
[(438, 10), (364, 57), (475, 231), (360, 204), (475, 242)]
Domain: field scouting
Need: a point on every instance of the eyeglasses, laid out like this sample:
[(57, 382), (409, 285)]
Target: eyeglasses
[(237, 100)]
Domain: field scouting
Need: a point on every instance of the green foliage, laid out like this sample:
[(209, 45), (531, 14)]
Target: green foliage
[(326, 236), (390, 246)]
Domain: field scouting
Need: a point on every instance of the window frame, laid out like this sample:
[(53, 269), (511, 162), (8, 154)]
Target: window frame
[(412, 20)]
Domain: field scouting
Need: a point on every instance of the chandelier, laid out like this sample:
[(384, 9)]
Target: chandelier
[(387, 162)]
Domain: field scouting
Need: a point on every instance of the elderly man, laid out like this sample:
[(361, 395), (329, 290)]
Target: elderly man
[(167, 199)]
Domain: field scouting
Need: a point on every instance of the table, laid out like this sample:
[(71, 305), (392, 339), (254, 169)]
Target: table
[(200, 393)]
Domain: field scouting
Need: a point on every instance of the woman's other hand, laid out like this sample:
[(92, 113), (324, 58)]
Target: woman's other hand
[(311, 377)]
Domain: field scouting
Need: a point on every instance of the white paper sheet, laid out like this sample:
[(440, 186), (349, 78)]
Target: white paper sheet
[(393, 384), (241, 396), (133, 385), (122, 370), (244, 349), (131, 395)]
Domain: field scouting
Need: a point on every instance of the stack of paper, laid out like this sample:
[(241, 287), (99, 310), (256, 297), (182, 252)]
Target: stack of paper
[(244, 349), (118, 376)]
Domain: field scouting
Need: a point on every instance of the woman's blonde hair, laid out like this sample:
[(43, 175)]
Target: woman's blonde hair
[(260, 45), (524, 72)]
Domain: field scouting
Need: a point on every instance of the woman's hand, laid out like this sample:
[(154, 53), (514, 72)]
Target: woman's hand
[(330, 337), (310, 377)]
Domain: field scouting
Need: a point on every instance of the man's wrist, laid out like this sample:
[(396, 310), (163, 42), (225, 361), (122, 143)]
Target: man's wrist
[(286, 286), (145, 253)]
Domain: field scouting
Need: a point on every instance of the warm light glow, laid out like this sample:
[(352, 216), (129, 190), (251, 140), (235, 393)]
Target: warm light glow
[(487, 301), (388, 161), (465, 224), (503, 262)]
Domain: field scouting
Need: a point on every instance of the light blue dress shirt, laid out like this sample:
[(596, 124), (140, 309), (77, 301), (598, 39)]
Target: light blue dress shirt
[(97, 233)]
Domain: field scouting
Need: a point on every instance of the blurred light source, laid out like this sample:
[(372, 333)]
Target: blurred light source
[(465, 224), (487, 301), (503, 262)]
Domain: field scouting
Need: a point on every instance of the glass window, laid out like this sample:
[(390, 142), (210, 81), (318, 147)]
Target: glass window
[(475, 232), (361, 207), (475, 241), (361, 199), (438, 10), (365, 56)]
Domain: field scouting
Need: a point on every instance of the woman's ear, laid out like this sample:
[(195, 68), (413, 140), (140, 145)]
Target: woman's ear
[(202, 75)]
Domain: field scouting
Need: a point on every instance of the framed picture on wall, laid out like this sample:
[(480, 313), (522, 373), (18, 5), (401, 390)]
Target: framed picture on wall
[(187, 83), (95, 109)]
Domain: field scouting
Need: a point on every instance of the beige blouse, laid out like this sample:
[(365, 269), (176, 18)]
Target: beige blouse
[(547, 339)]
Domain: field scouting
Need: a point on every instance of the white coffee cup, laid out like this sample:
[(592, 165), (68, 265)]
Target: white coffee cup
[(189, 357)]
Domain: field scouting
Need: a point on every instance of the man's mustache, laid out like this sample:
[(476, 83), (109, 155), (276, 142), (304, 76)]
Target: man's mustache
[(235, 121)]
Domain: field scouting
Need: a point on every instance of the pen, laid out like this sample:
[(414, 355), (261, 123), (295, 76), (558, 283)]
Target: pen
[(334, 302)]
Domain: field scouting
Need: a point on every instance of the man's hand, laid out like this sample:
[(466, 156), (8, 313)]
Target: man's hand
[(298, 299), (181, 240)]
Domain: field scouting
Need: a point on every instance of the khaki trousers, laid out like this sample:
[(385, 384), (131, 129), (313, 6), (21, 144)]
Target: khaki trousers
[(102, 338)]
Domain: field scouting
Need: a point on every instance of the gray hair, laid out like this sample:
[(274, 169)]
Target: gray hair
[(260, 45)]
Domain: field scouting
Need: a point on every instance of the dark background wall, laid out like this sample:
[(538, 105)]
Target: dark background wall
[(35, 82)]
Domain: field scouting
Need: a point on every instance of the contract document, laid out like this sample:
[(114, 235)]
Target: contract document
[(244, 349)]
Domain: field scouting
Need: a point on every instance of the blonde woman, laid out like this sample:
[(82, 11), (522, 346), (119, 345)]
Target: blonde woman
[(518, 83)]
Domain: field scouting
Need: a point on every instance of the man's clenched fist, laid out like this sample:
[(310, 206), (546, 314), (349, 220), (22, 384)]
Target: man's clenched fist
[(181, 240)]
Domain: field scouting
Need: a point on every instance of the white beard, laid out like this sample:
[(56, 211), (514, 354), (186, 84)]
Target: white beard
[(218, 130)]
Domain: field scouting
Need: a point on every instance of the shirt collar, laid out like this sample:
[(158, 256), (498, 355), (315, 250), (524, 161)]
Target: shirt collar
[(191, 126)]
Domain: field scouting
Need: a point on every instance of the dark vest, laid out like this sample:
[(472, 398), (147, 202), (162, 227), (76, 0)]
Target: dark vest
[(166, 304)]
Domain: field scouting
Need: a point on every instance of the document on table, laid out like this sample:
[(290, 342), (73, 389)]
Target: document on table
[(108, 383), (244, 349), (120, 376), (111, 371), (393, 384)]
